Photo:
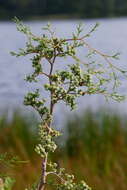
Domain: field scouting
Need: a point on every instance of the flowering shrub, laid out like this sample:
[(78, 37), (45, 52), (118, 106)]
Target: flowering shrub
[(77, 79)]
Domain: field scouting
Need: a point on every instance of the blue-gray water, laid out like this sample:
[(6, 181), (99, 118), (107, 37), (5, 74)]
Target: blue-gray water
[(110, 37)]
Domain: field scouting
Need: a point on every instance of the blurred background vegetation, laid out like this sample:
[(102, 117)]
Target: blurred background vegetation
[(94, 148), (63, 8)]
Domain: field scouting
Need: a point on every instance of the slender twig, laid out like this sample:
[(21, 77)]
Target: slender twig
[(55, 55), (44, 74), (63, 180)]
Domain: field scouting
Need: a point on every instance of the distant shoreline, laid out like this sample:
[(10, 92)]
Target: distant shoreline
[(59, 17)]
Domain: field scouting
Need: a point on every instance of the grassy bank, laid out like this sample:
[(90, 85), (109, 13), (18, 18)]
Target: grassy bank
[(95, 149)]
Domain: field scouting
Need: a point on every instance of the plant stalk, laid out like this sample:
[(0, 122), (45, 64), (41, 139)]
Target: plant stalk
[(44, 161), (43, 176)]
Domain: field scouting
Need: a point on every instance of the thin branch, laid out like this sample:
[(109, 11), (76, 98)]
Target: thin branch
[(53, 173), (55, 55), (43, 73)]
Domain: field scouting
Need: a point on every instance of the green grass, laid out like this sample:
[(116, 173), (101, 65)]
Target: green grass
[(95, 148)]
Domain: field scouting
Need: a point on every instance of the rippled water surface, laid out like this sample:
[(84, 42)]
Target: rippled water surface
[(111, 36)]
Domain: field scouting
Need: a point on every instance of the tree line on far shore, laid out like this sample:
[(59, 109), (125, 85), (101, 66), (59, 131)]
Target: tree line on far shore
[(80, 8)]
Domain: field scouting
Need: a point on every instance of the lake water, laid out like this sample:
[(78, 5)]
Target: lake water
[(111, 36)]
